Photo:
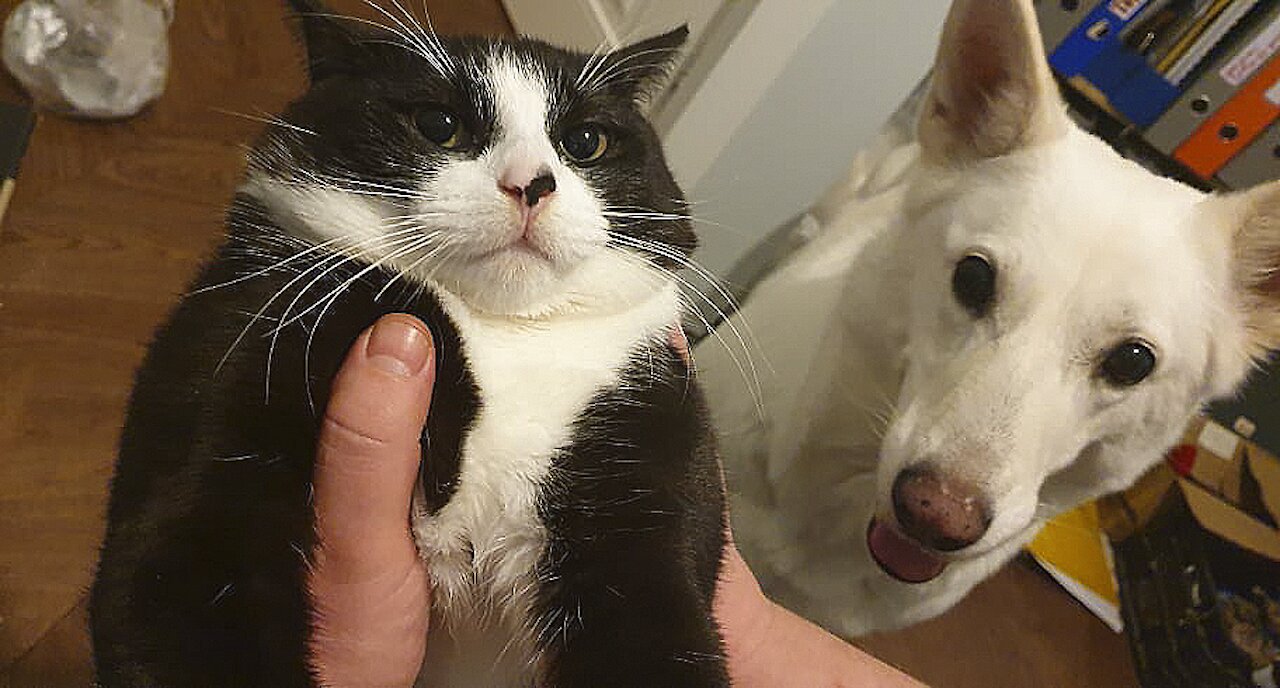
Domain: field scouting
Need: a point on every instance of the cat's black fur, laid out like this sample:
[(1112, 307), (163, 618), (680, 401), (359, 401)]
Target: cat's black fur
[(201, 576)]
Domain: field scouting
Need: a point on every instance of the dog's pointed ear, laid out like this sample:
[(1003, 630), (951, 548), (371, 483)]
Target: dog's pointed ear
[(331, 45), (992, 91), (1252, 221), (640, 70)]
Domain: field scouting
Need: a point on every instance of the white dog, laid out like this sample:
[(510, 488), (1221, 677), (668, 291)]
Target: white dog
[(992, 325)]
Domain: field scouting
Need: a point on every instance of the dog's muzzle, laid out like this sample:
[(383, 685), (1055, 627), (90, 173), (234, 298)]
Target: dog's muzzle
[(934, 514)]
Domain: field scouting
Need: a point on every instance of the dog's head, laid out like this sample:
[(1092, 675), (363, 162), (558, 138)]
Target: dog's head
[(1068, 309)]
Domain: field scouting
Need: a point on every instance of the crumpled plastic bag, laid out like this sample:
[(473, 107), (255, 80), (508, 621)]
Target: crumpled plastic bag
[(102, 59)]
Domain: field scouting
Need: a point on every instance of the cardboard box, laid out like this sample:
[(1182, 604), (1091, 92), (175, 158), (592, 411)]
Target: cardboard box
[(1186, 562), (1197, 558)]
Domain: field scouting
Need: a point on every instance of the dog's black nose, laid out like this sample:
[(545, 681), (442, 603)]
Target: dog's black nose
[(939, 512)]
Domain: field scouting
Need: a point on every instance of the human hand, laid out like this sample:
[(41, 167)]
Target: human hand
[(769, 646), (369, 588), (370, 593)]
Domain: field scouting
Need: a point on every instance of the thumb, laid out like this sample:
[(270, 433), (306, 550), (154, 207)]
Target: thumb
[(368, 454)]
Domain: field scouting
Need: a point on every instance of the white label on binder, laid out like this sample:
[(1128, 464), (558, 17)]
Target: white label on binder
[(1247, 61), (1125, 9), (1220, 441), (1273, 94)]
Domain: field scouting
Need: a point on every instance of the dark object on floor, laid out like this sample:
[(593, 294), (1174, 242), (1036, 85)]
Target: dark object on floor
[(1180, 588), (16, 124)]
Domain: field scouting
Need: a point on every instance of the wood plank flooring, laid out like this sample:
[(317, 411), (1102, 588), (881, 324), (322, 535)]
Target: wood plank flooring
[(108, 224)]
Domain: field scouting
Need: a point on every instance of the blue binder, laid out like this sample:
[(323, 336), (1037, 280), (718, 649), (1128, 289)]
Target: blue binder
[(1099, 29), (1130, 84)]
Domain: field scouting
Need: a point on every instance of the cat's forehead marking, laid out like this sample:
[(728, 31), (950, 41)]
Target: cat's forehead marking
[(520, 95)]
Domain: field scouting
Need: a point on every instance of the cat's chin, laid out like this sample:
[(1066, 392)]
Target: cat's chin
[(522, 283), (517, 252)]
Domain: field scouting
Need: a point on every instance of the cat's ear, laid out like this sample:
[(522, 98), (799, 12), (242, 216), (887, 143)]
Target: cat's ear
[(992, 91), (330, 43), (641, 70), (1251, 220)]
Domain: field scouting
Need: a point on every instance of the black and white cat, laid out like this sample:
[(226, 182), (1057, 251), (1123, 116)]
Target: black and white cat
[(513, 196)]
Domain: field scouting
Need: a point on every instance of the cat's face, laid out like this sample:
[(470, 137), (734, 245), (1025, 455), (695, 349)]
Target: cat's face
[(522, 177)]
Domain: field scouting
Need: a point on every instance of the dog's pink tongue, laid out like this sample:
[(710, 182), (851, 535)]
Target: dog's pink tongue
[(900, 557)]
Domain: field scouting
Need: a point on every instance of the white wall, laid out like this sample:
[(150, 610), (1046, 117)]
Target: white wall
[(846, 77), (775, 99)]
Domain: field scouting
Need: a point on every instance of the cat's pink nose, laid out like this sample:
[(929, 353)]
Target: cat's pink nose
[(529, 191)]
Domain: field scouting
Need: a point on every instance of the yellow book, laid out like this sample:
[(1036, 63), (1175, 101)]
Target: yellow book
[(1075, 551)]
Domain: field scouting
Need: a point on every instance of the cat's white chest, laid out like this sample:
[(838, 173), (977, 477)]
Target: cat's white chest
[(534, 380)]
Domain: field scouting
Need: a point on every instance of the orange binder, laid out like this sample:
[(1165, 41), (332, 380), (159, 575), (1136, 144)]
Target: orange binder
[(1235, 125)]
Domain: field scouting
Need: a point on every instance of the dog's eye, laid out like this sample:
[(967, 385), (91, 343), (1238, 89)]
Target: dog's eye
[(439, 126), (585, 143), (1128, 364), (974, 284)]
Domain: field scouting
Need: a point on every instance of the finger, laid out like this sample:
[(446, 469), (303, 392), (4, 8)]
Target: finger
[(680, 341), (368, 454), (741, 607)]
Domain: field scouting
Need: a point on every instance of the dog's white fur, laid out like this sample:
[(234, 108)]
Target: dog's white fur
[(878, 367), (544, 333)]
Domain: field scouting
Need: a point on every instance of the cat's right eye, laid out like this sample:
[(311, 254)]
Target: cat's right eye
[(440, 126), (585, 143)]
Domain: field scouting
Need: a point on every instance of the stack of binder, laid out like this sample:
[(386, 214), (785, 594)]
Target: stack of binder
[(1199, 78)]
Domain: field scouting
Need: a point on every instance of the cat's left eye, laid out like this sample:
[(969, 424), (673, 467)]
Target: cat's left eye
[(585, 143), (440, 126)]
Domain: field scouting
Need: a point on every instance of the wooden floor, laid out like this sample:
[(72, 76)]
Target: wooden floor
[(108, 224)]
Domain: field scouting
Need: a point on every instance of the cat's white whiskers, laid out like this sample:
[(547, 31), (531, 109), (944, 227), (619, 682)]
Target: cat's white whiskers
[(340, 185), (235, 459), (413, 33), (354, 185), (594, 61), (324, 265), (729, 300), (616, 73), (411, 267), (746, 370), (612, 71), (713, 281), (311, 335), (270, 268), (428, 35), (327, 300), (383, 247), (330, 265), (258, 315), (406, 42), (266, 119), (644, 215), (404, 29), (349, 182), (746, 366), (647, 214)]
